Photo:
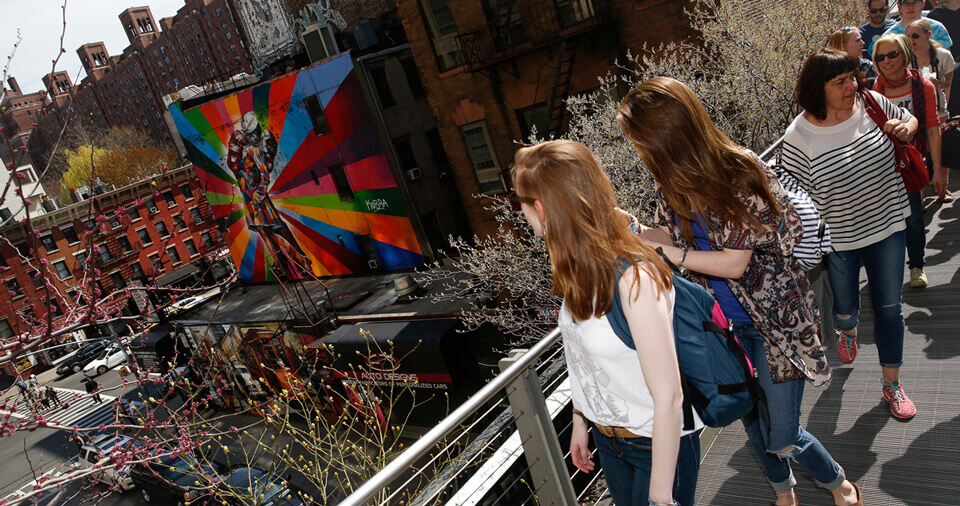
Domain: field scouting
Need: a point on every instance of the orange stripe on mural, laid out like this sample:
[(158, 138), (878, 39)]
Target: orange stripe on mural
[(394, 230), (350, 221), (212, 113), (232, 103)]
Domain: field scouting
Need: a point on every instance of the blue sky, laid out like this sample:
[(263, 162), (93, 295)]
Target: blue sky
[(40, 23)]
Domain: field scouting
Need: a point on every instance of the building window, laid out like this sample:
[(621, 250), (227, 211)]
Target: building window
[(125, 245), (197, 216), (437, 150), (168, 196), (207, 240), (81, 258), (161, 228), (55, 308), (114, 222), (174, 256), (191, 248), (443, 33), (413, 78), (62, 270), (105, 253), (534, 116), (379, 77), (156, 263), (48, 243), (14, 288), (340, 179), (185, 190), (136, 270), (482, 157), (405, 155), (319, 120), (35, 277), (181, 225), (117, 279), (151, 205), (144, 236), (5, 329)]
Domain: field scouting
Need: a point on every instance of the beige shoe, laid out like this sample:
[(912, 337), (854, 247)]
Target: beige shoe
[(917, 278), (947, 197)]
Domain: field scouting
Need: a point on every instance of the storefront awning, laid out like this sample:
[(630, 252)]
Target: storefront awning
[(150, 338)]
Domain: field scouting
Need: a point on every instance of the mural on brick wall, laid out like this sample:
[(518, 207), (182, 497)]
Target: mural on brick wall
[(295, 168)]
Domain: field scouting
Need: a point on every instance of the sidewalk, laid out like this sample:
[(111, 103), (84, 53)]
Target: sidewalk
[(914, 462)]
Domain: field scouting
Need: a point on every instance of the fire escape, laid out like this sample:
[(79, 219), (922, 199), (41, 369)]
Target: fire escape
[(556, 28)]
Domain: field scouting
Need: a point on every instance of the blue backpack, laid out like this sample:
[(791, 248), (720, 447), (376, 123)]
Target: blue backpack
[(717, 377)]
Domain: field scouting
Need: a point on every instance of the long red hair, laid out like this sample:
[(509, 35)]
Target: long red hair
[(585, 235)]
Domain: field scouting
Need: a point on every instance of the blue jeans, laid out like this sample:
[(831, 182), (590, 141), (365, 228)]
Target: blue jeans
[(770, 436), (916, 232), (626, 466), (883, 262)]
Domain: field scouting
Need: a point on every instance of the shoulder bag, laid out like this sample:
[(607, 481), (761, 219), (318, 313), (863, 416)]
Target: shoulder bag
[(910, 163)]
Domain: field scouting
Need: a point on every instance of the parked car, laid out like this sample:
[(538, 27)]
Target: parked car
[(115, 355), (173, 480), (251, 486), (99, 448), (82, 357)]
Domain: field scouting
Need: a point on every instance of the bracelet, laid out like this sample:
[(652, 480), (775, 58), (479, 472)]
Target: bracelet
[(671, 503), (634, 224), (683, 256)]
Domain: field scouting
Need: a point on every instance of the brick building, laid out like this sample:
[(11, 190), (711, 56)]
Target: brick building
[(156, 231), (18, 112), (199, 45), (493, 69)]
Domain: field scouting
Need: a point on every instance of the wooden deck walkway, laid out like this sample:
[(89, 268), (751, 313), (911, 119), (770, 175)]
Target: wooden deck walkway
[(915, 462)]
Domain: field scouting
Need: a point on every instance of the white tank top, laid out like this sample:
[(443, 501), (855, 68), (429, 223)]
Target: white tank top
[(606, 379)]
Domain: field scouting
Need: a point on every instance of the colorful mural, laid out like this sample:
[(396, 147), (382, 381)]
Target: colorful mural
[(296, 169)]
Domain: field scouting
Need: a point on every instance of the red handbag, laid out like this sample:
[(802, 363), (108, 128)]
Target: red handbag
[(910, 163)]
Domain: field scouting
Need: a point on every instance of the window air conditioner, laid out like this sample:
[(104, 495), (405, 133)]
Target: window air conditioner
[(319, 42), (414, 174), (373, 263)]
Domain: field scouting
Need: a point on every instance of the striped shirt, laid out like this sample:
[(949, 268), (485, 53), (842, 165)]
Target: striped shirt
[(848, 170)]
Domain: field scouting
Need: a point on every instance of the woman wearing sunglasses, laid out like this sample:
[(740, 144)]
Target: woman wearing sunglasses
[(632, 398), (935, 63), (846, 163), (906, 88), (724, 215)]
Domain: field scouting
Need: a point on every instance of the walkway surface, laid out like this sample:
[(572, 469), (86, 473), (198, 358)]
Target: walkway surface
[(915, 462)]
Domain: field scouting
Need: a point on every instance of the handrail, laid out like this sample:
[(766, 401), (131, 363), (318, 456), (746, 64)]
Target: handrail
[(767, 152), (429, 440)]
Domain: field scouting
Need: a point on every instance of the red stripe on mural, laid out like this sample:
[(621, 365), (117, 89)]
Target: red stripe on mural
[(371, 174), (347, 110), (280, 91)]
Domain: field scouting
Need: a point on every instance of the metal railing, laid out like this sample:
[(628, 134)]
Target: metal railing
[(527, 394)]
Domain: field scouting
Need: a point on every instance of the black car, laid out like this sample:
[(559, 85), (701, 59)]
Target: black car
[(251, 486), (82, 357), (175, 480)]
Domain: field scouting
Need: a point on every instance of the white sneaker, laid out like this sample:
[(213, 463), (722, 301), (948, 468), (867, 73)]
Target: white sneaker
[(917, 278)]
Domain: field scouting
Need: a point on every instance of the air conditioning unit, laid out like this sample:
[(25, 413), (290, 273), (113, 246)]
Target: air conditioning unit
[(414, 174), (319, 42), (365, 35), (373, 263)]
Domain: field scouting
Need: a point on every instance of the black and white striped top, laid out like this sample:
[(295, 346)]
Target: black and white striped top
[(848, 170)]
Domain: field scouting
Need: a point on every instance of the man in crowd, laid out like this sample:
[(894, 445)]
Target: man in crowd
[(876, 26), (909, 12)]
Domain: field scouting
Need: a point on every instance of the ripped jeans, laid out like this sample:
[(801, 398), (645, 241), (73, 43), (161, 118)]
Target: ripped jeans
[(883, 261), (779, 439)]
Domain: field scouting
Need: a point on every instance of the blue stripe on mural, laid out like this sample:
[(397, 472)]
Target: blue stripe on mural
[(334, 72), (327, 230), (394, 257), (297, 124), (192, 135)]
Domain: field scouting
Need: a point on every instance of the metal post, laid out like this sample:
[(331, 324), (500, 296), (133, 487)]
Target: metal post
[(551, 480)]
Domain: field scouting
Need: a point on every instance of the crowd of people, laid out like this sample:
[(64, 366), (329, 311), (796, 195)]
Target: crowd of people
[(724, 216), (37, 398)]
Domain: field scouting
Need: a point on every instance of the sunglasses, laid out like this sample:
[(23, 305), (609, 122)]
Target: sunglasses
[(891, 55), (878, 11), (915, 35)]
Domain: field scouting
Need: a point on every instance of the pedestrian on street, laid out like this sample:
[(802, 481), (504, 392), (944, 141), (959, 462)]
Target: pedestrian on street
[(23, 388), (93, 387), (33, 382), (52, 395), (44, 400)]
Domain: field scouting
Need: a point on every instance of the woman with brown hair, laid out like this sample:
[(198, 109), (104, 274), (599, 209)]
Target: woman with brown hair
[(632, 398), (724, 215), (845, 161)]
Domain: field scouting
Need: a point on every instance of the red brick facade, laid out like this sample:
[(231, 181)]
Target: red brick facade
[(493, 89)]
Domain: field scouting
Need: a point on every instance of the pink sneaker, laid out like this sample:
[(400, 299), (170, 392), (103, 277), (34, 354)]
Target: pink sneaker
[(900, 405), (846, 347)]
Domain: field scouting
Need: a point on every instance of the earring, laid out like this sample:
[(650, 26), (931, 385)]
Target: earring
[(544, 226)]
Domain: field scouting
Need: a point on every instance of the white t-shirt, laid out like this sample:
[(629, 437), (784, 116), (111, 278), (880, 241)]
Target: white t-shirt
[(606, 380), (848, 170), (945, 65)]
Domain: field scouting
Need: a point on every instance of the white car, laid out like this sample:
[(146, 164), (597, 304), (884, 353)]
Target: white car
[(98, 449), (114, 356)]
